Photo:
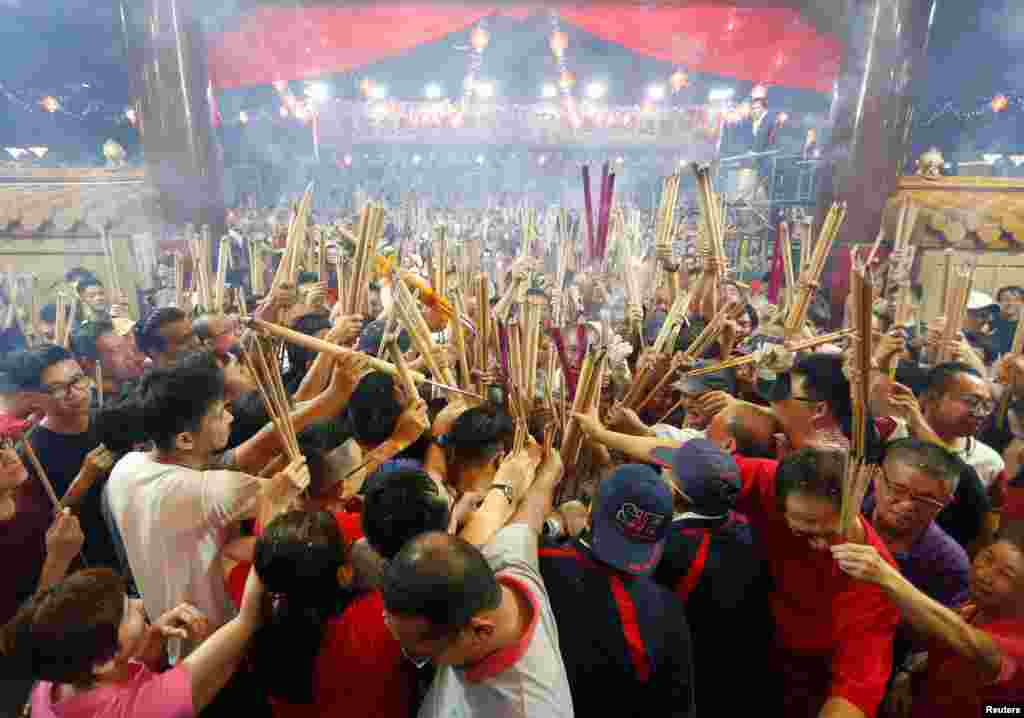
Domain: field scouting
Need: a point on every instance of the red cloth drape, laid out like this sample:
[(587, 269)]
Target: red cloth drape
[(770, 45)]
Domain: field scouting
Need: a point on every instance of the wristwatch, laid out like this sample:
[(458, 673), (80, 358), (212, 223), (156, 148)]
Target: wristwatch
[(509, 492)]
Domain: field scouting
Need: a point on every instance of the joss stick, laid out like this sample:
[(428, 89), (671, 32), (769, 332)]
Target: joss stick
[(322, 272), (483, 326), (319, 345), (712, 216), (572, 439), (99, 383), (862, 291), (665, 223), (787, 264), (108, 250), (811, 274), (676, 316), (533, 309), (458, 334), (222, 273), (404, 376), (588, 212), (712, 330), (60, 319), (947, 275), (287, 270), (40, 472), (262, 363), (72, 322), (440, 256), (956, 308), (858, 478), (408, 312)]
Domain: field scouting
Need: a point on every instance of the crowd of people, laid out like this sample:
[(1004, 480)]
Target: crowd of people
[(434, 552)]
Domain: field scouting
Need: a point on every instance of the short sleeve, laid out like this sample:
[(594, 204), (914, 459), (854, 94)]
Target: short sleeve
[(1012, 650), (228, 495), (514, 548), (168, 694)]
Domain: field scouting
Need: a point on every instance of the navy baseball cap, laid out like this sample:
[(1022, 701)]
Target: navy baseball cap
[(707, 476), (634, 512)]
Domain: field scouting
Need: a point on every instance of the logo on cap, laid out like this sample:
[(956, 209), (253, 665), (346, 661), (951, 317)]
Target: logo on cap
[(639, 524)]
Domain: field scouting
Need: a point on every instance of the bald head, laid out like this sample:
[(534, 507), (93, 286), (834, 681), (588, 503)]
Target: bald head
[(745, 429)]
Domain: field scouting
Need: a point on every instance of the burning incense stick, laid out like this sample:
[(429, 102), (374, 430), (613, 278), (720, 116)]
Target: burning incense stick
[(956, 307), (40, 473)]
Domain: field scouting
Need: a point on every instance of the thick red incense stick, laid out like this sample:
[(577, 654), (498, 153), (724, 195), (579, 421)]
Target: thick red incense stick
[(603, 240), (588, 211)]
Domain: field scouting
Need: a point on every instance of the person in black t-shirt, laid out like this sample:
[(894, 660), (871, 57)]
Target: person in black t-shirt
[(712, 563), (624, 639)]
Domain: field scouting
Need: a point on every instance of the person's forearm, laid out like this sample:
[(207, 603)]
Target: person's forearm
[(316, 379), (932, 619), (253, 455), (54, 570), (536, 506), (215, 660), (836, 707), (636, 447), (488, 519)]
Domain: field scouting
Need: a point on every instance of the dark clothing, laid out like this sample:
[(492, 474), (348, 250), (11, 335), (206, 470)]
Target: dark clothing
[(1002, 335), (624, 639), (964, 518), (714, 566)]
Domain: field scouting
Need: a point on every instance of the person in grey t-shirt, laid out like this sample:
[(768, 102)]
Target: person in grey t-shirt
[(485, 619)]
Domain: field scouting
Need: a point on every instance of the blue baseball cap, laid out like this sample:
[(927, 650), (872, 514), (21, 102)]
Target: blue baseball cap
[(707, 476), (634, 512)]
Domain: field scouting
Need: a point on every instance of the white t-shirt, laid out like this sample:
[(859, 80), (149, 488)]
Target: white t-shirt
[(174, 521), (526, 679)]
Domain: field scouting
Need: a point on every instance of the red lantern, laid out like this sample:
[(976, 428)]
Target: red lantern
[(567, 79), (559, 42), (679, 80), (479, 39), (1000, 103)]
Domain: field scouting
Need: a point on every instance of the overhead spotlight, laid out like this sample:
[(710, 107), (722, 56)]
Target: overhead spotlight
[(378, 92), (542, 160), (347, 159), (318, 91), (484, 90), (548, 91), (243, 117), (656, 92), (596, 90), (620, 160), (721, 94), (479, 159), (433, 91), (416, 159)]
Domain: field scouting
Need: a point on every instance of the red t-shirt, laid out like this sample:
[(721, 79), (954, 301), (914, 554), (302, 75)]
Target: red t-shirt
[(952, 687), (360, 670), (819, 611)]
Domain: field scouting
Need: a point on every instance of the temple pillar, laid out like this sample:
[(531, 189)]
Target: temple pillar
[(166, 55), (886, 44)]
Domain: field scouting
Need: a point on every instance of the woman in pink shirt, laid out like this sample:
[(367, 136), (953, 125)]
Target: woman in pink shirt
[(95, 656)]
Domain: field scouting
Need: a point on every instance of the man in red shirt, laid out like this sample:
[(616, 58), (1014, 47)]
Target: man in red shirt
[(833, 634)]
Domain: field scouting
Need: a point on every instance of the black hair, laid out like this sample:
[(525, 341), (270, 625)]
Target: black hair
[(825, 381), (478, 435), (812, 472), (400, 502), (85, 335), (373, 411), (167, 403), (313, 445), (1019, 291), (297, 558), (147, 331), (300, 358), (941, 376), (441, 578), (25, 369), (935, 461), (749, 443)]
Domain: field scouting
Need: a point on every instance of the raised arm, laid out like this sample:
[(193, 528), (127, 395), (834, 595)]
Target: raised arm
[(638, 448), (517, 472)]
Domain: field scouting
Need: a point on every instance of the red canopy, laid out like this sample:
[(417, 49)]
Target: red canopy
[(771, 45)]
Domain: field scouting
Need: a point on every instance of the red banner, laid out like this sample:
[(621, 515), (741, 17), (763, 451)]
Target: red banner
[(771, 45)]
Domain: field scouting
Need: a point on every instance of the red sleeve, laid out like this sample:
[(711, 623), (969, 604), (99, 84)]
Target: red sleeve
[(757, 493), (1013, 502), (862, 662), (350, 523), (1012, 649), (237, 577)]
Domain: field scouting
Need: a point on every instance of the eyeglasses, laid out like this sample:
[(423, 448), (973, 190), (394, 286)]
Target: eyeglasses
[(977, 405), (64, 389), (899, 494)]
